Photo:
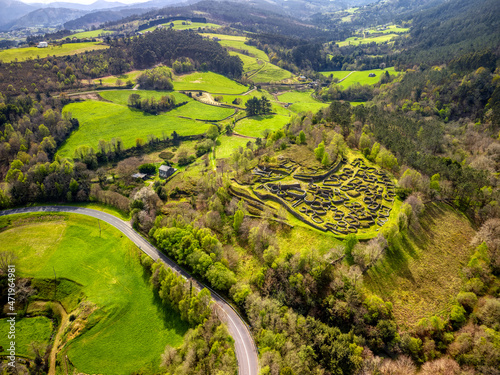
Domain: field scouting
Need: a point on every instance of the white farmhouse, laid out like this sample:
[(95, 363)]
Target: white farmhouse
[(43, 45)]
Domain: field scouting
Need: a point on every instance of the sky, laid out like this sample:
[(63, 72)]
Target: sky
[(80, 1)]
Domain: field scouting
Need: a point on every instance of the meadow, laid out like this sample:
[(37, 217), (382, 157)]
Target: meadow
[(128, 327), (36, 330), (361, 77), (240, 45), (193, 109), (111, 80), (302, 101), (270, 73), (189, 26), (121, 96), (210, 82), (254, 126), (22, 54), (102, 120), (357, 40), (390, 29), (421, 272), (90, 34), (228, 144)]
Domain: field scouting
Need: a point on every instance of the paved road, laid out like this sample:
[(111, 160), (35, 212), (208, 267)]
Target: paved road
[(246, 352)]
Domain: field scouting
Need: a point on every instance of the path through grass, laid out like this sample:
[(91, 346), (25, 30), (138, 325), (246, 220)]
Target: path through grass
[(129, 327)]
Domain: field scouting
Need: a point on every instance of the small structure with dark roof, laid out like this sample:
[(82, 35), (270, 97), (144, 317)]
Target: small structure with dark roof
[(140, 176), (166, 171)]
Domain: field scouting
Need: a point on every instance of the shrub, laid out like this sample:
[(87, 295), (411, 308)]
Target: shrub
[(148, 168)]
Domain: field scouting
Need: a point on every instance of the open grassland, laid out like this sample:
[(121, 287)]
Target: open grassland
[(228, 145), (225, 37), (390, 29), (188, 26), (362, 78), (121, 96), (210, 82), (421, 275), (254, 126), (250, 63), (128, 327), (357, 40), (22, 54), (111, 80), (199, 111), (340, 74), (91, 34), (101, 120), (302, 101), (36, 330), (270, 73), (193, 109), (251, 50)]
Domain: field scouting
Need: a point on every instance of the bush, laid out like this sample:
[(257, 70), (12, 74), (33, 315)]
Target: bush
[(467, 300), (148, 168)]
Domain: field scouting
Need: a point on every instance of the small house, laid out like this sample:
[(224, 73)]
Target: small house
[(140, 176), (216, 39), (166, 171), (372, 75), (43, 45)]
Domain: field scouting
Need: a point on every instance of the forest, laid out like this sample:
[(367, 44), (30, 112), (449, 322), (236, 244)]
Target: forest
[(416, 290)]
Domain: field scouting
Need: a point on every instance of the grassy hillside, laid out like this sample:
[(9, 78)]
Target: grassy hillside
[(210, 82), (127, 326), (101, 120), (422, 274), (361, 77), (255, 125), (36, 330), (90, 34), (22, 54), (302, 101)]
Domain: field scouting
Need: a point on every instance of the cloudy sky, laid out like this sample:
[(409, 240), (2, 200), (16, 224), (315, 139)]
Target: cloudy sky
[(80, 1)]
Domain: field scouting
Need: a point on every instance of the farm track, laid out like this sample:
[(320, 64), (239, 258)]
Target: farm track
[(245, 349)]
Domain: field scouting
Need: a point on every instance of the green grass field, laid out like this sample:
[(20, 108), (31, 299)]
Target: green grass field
[(90, 34), (421, 275), (22, 54), (357, 40), (225, 37), (302, 101), (254, 126), (271, 73), (129, 329), (193, 109), (121, 96), (36, 330), (250, 63), (229, 144), (390, 29), (210, 82), (179, 26), (340, 74), (111, 80), (240, 44), (101, 120), (361, 77)]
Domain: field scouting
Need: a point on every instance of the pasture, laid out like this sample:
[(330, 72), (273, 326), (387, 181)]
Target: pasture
[(121, 96), (111, 80), (255, 126), (208, 81), (390, 29), (229, 144), (187, 26), (302, 101), (420, 273), (125, 325), (36, 330), (90, 34), (361, 77), (101, 120), (240, 45), (270, 73), (22, 54), (357, 40)]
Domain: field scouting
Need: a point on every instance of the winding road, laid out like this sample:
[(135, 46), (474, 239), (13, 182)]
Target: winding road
[(246, 351)]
